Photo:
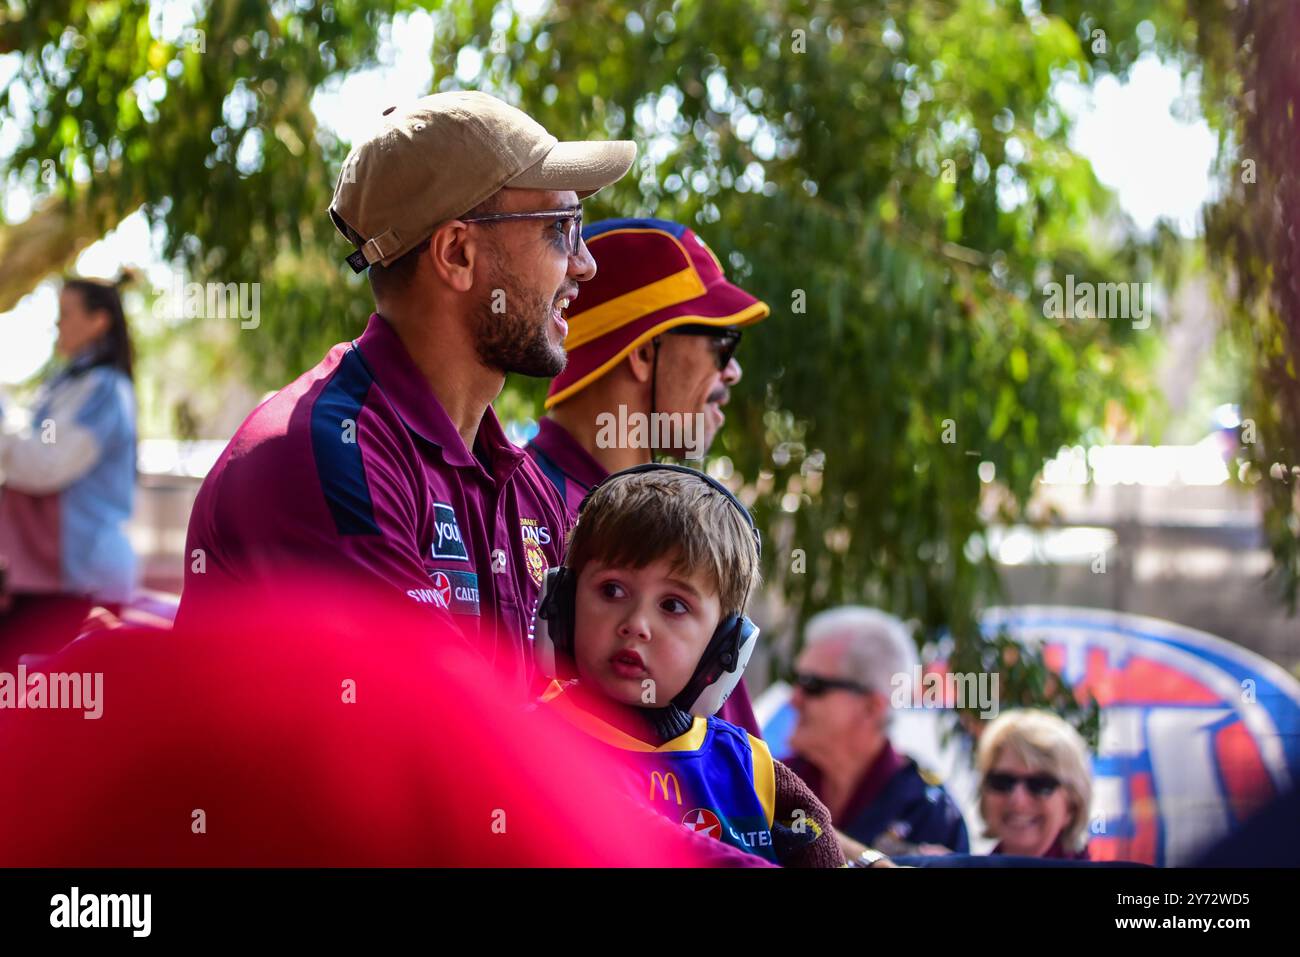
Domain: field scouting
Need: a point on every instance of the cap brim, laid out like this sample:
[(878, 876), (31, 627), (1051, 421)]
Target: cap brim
[(584, 168)]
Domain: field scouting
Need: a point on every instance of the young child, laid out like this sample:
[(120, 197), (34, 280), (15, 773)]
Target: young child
[(643, 629)]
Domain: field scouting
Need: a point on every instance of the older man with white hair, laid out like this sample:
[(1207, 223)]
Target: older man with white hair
[(844, 677)]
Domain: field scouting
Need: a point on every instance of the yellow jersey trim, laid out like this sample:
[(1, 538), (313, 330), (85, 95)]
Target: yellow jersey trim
[(588, 723), (764, 776)]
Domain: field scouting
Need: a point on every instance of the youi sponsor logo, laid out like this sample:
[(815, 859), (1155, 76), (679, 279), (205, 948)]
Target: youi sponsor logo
[(447, 540)]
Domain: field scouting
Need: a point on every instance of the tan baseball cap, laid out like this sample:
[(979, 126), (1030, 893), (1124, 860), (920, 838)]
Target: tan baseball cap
[(441, 156)]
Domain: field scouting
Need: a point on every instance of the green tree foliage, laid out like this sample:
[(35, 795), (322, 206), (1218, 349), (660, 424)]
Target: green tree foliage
[(1251, 55), (893, 177), (207, 124), (895, 180)]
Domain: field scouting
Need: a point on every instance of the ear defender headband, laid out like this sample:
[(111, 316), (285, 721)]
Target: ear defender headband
[(725, 657)]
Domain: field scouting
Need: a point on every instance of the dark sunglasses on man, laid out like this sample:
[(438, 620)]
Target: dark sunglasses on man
[(814, 686), (724, 343), (571, 217), (1039, 785)]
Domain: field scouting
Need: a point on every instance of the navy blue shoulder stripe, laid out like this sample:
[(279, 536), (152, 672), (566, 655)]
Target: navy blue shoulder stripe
[(550, 470), (334, 443)]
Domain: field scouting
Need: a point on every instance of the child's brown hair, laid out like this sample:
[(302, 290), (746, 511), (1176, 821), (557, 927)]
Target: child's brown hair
[(635, 519)]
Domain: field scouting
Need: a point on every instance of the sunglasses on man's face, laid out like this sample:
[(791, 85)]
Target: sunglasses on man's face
[(568, 223), (723, 342), (1039, 785), (814, 686)]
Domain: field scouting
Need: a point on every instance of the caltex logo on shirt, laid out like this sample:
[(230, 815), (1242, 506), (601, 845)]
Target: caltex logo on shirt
[(702, 820), (441, 590), (453, 591)]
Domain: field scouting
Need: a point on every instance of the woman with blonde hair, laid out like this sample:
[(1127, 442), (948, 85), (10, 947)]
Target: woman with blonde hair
[(1035, 785)]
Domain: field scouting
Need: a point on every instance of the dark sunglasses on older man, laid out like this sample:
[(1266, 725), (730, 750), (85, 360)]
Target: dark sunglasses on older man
[(1039, 785), (814, 686), (569, 221), (724, 342)]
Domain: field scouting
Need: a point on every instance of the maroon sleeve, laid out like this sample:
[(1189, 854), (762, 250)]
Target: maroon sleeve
[(739, 711), (799, 810), (261, 517)]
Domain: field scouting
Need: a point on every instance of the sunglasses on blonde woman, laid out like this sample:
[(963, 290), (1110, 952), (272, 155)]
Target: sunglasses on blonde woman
[(1039, 785)]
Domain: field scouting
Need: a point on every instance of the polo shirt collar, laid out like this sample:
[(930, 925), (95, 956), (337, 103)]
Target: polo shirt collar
[(404, 385), (553, 441), (873, 781), (869, 787)]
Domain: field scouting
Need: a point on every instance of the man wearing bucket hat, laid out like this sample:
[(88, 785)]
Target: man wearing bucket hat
[(651, 348), (386, 460)]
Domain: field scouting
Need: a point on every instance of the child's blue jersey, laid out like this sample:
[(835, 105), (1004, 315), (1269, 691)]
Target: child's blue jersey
[(716, 778)]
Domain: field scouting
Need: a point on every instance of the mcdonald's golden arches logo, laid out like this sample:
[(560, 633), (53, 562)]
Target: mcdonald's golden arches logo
[(661, 779)]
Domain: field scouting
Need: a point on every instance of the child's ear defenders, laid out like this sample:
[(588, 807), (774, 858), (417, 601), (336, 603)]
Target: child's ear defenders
[(553, 626), (720, 667)]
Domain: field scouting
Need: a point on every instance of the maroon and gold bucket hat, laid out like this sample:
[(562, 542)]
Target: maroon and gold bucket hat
[(651, 275)]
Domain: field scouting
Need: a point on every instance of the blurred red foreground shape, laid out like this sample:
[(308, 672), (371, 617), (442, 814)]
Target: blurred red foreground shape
[(236, 745)]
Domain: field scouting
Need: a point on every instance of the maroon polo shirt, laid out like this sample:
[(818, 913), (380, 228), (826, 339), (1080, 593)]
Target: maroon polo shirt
[(882, 770), (569, 466), (573, 471), (355, 468)]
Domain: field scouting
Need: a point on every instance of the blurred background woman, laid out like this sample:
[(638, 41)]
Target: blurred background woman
[(1035, 785), (67, 481)]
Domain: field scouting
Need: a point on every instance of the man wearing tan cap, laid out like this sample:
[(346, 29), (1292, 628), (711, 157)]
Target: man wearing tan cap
[(651, 364), (386, 461)]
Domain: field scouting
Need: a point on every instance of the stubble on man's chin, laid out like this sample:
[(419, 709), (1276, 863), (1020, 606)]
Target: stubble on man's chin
[(515, 338)]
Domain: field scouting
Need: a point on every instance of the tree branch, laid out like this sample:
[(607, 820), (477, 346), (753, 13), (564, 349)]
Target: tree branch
[(51, 238)]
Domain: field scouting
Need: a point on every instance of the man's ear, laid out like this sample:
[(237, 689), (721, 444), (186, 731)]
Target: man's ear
[(452, 252), (640, 361)]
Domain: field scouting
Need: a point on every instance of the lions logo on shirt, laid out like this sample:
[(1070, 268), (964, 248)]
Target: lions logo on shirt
[(535, 536)]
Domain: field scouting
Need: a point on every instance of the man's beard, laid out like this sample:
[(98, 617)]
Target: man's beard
[(514, 339)]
